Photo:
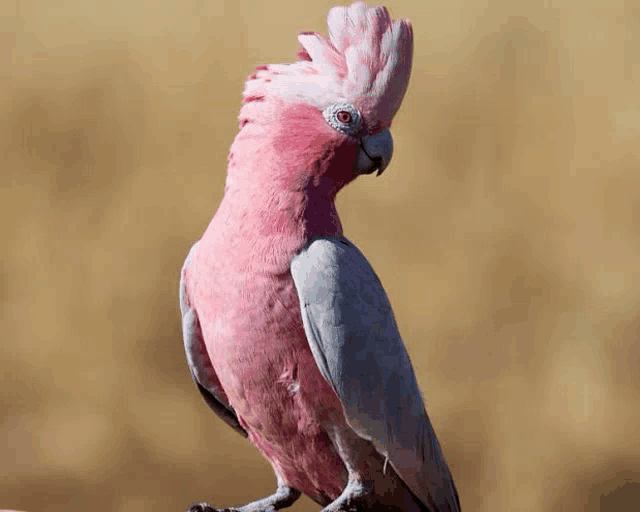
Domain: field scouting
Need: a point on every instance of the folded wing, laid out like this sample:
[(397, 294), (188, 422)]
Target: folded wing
[(356, 344)]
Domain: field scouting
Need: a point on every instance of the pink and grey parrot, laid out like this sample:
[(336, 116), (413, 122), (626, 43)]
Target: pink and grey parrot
[(288, 332)]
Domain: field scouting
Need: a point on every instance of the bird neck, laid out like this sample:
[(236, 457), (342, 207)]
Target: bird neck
[(268, 211), (285, 186)]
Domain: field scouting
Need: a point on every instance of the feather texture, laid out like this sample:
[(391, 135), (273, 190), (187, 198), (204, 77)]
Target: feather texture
[(366, 60), (265, 348)]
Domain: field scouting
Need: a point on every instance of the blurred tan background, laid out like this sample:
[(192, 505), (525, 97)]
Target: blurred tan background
[(507, 233)]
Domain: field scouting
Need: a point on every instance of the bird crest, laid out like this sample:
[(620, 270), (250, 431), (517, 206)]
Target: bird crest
[(365, 60)]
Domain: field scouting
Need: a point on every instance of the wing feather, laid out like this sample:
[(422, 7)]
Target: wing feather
[(353, 335)]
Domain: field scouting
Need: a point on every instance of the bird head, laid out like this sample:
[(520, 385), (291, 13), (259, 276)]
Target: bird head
[(329, 114)]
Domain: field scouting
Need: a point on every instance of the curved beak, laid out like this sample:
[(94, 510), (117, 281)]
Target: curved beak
[(375, 152)]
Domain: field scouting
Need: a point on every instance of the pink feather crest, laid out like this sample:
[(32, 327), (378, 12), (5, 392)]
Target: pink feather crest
[(365, 60)]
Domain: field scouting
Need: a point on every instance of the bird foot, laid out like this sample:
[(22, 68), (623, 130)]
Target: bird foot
[(356, 497), (205, 507), (283, 497)]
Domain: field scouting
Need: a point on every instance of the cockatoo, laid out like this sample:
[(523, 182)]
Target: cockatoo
[(288, 332)]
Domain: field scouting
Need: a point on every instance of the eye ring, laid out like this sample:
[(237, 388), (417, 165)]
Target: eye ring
[(343, 117)]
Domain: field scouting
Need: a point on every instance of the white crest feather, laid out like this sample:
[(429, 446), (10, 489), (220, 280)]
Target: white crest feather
[(366, 60)]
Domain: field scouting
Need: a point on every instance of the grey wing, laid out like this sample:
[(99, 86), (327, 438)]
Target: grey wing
[(356, 344), (202, 370)]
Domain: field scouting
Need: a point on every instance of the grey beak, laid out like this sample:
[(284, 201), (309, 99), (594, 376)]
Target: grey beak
[(376, 152)]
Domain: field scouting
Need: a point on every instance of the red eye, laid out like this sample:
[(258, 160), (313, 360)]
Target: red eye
[(344, 117)]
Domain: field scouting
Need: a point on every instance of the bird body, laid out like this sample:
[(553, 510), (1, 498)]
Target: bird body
[(256, 342), (276, 353)]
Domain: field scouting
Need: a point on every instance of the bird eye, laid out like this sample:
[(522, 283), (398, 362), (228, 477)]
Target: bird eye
[(344, 117)]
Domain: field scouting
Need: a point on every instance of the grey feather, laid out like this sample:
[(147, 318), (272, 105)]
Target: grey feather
[(202, 370), (353, 335)]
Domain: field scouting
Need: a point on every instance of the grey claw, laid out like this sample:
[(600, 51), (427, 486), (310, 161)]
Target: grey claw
[(201, 507), (205, 507)]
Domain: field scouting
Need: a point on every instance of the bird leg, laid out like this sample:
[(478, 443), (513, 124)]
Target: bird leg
[(356, 497), (354, 451), (283, 497)]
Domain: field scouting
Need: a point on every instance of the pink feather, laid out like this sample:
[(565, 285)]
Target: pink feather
[(366, 60)]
